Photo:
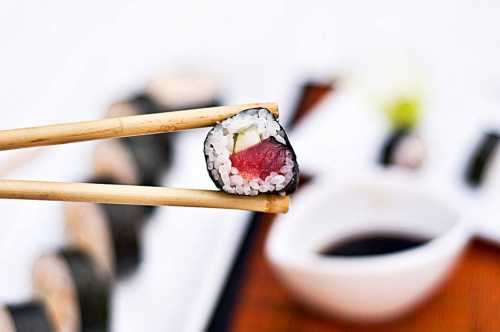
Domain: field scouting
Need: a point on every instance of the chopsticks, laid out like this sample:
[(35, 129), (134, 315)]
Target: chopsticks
[(139, 195), (136, 125)]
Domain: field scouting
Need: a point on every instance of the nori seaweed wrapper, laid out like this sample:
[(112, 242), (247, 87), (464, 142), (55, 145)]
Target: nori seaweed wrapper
[(152, 154), (30, 317), (480, 159), (146, 105), (294, 182), (93, 291), (391, 144), (125, 223), (149, 157)]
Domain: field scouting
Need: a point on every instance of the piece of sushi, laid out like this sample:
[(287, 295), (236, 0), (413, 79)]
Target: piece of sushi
[(75, 292), (25, 317), (149, 158), (143, 160), (481, 159), (110, 234), (134, 160), (131, 160), (249, 154), (144, 104), (402, 148)]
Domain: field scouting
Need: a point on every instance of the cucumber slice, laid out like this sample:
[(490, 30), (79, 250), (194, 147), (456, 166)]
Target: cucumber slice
[(246, 139)]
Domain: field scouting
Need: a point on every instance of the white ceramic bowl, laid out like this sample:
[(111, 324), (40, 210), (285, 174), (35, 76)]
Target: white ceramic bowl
[(370, 288)]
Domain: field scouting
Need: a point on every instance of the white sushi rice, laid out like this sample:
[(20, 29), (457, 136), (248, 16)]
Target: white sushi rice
[(53, 285), (409, 152), (6, 321), (219, 146)]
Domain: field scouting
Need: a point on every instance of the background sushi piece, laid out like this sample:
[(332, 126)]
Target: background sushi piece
[(402, 148), (110, 234), (25, 317), (145, 159), (481, 159), (86, 227), (135, 160), (112, 159), (76, 293)]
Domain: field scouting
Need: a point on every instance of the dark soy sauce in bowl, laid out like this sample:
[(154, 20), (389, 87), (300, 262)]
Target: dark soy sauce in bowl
[(372, 244)]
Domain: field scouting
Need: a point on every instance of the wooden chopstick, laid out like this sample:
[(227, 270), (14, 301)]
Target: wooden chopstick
[(121, 126), (139, 195), (126, 194)]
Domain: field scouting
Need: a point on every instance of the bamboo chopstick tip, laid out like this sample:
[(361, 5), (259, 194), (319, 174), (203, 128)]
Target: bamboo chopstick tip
[(278, 204), (273, 108)]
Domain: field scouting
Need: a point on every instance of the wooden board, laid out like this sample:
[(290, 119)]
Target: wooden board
[(469, 300)]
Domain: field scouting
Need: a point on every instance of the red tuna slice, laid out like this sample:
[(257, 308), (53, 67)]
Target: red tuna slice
[(258, 161)]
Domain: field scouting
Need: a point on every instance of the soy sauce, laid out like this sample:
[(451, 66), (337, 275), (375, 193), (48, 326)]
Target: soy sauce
[(373, 244)]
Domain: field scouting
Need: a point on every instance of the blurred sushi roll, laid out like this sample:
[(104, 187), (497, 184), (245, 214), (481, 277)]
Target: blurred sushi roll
[(402, 148), (131, 160), (481, 159), (160, 144), (169, 92), (25, 317), (183, 91), (249, 154), (149, 158), (143, 160), (75, 292), (109, 234)]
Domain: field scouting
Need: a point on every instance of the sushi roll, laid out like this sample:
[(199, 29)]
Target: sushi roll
[(25, 317), (249, 154), (402, 148), (167, 93), (482, 159), (109, 233), (133, 160), (76, 294), (149, 157), (143, 160), (143, 104)]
